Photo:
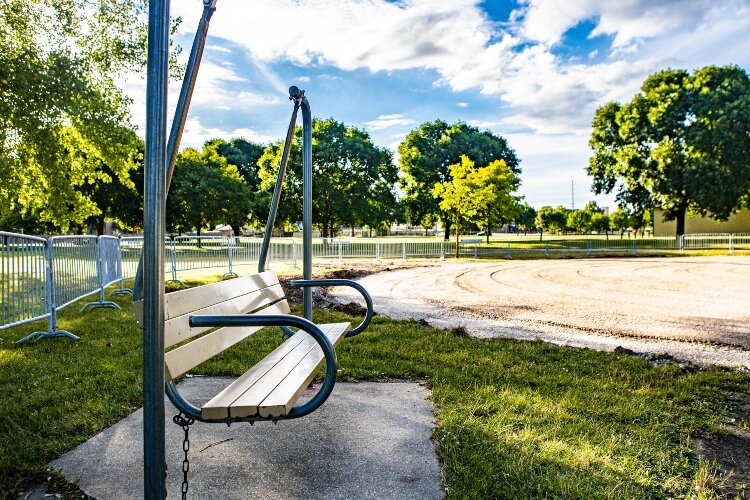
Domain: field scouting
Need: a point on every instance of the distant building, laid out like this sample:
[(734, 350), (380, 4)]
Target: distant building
[(737, 223)]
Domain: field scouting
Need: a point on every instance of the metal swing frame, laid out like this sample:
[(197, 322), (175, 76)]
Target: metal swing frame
[(160, 156)]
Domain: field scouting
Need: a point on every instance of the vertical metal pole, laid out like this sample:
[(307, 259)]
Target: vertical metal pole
[(154, 484), (403, 251), (731, 243), (296, 95), (51, 307), (307, 194)]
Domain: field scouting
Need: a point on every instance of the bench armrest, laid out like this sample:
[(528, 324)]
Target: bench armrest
[(289, 321), (340, 282)]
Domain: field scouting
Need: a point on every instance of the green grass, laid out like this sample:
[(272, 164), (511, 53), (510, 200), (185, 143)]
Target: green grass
[(514, 419)]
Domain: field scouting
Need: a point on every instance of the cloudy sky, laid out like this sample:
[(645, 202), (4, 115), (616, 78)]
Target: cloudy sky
[(533, 71)]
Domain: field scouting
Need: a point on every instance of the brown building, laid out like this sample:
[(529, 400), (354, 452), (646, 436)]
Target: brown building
[(737, 223)]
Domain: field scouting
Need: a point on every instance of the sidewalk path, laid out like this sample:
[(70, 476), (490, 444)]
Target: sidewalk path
[(368, 441)]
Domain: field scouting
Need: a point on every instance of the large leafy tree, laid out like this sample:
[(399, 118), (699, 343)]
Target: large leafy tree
[(552, 220), (475, 194), (526, 218), (353, 180), (244, 155), (205, 191), (682, 142), (426, 155), (61, 115)]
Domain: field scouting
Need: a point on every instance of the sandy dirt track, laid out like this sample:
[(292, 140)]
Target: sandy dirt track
[(694, 308)]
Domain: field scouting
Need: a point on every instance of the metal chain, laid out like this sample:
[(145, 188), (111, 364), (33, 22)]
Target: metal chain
[(185, 422)]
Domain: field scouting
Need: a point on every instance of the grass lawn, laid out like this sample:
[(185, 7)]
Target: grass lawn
[(514, 419)]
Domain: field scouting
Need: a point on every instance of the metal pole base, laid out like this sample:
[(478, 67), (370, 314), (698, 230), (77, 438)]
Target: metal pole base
[(226, 276), (44, 335), (179, 282), (98, 305), (121, 291)]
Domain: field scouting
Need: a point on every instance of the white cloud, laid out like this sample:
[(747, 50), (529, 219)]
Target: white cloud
[(468, 51), (196, 133), (462, 104), (388, 121)]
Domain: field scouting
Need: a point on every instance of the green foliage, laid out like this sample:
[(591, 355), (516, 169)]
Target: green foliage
[(427, 154), (526, 218), (682, 143), (552, 220), (244, 155), (478, 194), (206, 191), (353, 180), (600, 222)]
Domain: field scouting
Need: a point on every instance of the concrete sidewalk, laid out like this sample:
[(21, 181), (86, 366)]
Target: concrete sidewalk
[(369, 440)]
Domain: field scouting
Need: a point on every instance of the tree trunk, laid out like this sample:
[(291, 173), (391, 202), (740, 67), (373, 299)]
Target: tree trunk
[(352, 230), (447, 230), (198, 234), (541, 234), (487, 231), (458, 220), (325, 230), (606, 233), (100, 226), (681, 214)]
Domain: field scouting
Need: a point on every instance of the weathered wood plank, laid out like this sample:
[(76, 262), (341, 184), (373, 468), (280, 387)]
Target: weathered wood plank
[(178, 361), (178, 329), (285, 395)]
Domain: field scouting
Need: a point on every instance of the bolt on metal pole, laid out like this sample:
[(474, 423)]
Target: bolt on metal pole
[(154, 484)]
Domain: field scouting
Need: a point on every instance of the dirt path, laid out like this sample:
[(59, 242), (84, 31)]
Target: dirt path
[(696, 308)]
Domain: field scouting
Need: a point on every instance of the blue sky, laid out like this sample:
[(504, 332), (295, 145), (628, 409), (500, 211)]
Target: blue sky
[(533, 71)]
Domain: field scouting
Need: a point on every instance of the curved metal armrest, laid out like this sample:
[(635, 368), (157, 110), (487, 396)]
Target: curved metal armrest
[(340, 282), (271, 320)]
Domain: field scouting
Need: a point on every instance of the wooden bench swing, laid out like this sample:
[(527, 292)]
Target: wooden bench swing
[(179, 327)]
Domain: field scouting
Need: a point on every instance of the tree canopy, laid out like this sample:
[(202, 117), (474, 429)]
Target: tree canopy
[(682, 142), (426, 155), (61, 115), (353, 180), (205, 191), (475, 194)]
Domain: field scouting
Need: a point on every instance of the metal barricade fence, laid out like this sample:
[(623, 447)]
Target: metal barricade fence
[(74, 267), (23, 279)]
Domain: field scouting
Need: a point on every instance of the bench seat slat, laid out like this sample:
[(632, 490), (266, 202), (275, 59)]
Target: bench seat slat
[(186, 301), (244, 397), (180, 360), (285, 395), (178, 329)]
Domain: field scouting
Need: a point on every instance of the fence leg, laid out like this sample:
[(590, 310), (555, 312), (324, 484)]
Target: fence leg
[(377, 252), (731, 243), (52, 330), (403, 249), (510, 257), (682, 243), (230, 250), (442, 250), (588, 247), (476, 251), (100, 277), (341, 251), (122, 290), (174, 265)]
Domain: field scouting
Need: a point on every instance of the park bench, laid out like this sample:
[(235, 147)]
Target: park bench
[(471, 241), (242, 306)]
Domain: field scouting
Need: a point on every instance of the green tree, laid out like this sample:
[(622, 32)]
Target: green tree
[(61, 115), (579, 221), (600, 223), (682, 143), (244, 155), (620, 221), (526, 218), (426, 155), (353, 180), (477, 193), (206, 191), (552, 220)]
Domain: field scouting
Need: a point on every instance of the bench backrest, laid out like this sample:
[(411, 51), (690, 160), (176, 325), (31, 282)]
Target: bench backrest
[(257, 294)]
